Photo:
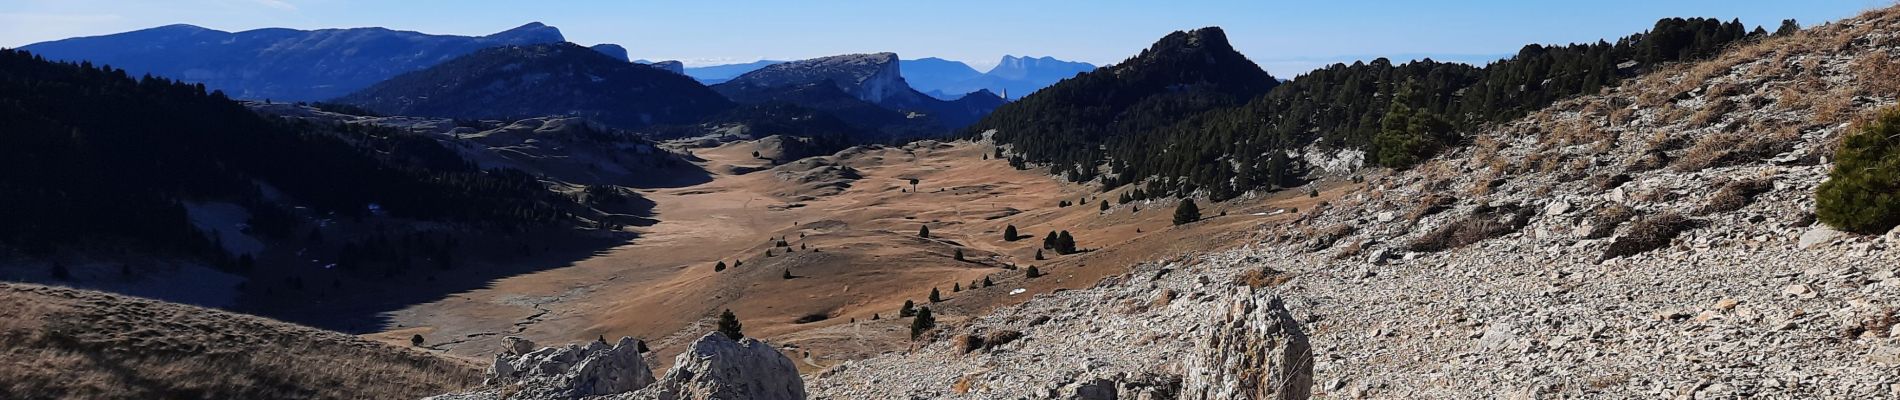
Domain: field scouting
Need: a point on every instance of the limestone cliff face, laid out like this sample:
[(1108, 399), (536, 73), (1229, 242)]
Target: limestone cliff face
[(870, 77)]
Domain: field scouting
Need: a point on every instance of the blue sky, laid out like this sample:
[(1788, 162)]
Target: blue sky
[(1286, 37)]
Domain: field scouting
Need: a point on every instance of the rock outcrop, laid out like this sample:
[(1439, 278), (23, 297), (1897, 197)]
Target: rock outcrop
[(567, 372), (719, 368), (1258, 351), (715, 368)]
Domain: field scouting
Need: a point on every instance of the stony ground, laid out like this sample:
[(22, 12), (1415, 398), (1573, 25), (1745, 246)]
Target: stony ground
[(1542, 261)]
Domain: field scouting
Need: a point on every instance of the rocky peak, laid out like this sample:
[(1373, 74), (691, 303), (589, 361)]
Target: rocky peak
[(870, 77), (532, 32), (673, 66), (611, 50)]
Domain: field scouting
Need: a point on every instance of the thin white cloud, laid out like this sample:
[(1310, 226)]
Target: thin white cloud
[(277, 4)]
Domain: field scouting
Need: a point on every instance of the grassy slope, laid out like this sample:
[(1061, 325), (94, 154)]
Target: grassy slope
[(69, 343)]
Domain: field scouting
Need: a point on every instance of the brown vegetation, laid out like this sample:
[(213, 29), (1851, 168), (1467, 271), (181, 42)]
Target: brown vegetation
[(1648, 234), (69, 343), (1482, 224)]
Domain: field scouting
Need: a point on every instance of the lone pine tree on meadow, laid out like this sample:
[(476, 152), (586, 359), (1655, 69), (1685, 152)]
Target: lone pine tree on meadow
[(959, 255), (1009, 234), (935, 296), (721, 266), (1187, 212), (729, 325), (924, 232), (909, 309)]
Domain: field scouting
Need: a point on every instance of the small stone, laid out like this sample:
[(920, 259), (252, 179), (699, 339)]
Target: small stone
[(1889, 355), (1818, 235), (1387, 216), (1726, 304), (1557, 208), (1800, 290)]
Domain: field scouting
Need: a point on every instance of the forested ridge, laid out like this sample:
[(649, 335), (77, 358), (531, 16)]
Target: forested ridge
[(90, 155), (1185, 141)]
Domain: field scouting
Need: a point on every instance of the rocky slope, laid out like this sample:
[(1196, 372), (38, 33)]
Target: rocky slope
[(1652, 241), (551, 79), (282, 64)]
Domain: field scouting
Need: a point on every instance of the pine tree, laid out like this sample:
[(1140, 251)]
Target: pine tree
[(1039, 255), (1788, 27), (907, 310), (415, 340), (788, 274), (1104, 205), (956, 287), (923, 322), (935, 296), (1049, 242), (721, 266), (1187, 212), (1065, 244), (924, 232), (1009, 233), (729, 325), (987, 283), (1033, 272), (959, 255)]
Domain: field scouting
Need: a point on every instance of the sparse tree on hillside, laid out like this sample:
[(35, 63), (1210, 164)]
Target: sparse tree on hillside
[(959, 255), (1049, 242), (956, 287), (913, 184), (415, 340), (729, 325), (755, 154), (987, 283), (788, 274), (924, 232), (874, 316), (1039, 255), (923, 322), (1788, 27), (909, 309), (1187, 212), (721, 266), (1104, 205), (1033, 272), (935, 296), (1065, 244), (1009, 234)]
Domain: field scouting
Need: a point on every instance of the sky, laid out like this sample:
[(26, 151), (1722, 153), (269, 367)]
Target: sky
[(1285, 37)]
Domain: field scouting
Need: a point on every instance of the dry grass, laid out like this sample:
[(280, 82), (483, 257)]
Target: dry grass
[(1263, 277), (1648, 234), (1480, 225), (1734, 195), (1878, 73), (1607, 219), (1430, 204), (67, 343), (1752, 144)]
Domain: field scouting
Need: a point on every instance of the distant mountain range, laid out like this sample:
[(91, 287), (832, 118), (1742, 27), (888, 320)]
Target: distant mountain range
[(545, 79), (1017, 76), (944, 79), (865, 89), (717, 74), (284, 64)]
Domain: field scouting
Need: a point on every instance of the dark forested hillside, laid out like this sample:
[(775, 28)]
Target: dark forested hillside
[(1399, 114), (541, 80), (1184, 74), (90, 155)]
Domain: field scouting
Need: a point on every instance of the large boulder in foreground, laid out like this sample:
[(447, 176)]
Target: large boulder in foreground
[(1258, 351), (719, 368)]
